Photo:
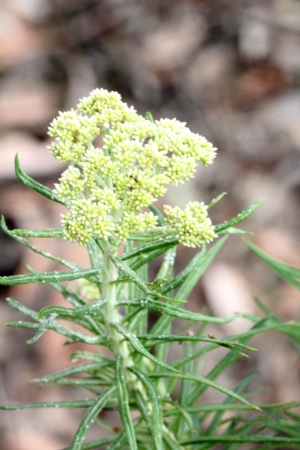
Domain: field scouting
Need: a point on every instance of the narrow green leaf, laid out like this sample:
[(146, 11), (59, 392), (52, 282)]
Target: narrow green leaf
[(123, 404), (182, 276), (130, 274), (66, 404), (216, 199), (44, 233), (94, 325), (23, 309), (179, 426), (47, 277), (241, 216), (141, 349), (116, 445), (233, 230), (22, 324), (75, 335), (82, 368), (90, 417), (170, 441), (35, 185), (95, 255), (47, 255), (203, 263), (216, 421), (248, 439), (89, 356), (289, 273), (143, 250), (60, 311), (143, 408), (231, 407), (155, 340), (152, 236), (159, 215), (205, 381), (156, 413), (43, 327), (96, 444), (173, 311)]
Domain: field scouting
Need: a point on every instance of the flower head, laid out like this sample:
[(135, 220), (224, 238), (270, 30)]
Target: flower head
[(108, 187)]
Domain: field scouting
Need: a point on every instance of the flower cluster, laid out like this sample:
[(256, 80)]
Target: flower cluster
[(108, 187), (192, 226)]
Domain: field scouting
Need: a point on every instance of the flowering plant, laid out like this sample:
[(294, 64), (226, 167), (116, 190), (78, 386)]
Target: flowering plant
[(119, 164)]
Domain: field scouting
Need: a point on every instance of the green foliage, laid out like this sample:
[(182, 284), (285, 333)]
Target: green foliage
[(139, 376)]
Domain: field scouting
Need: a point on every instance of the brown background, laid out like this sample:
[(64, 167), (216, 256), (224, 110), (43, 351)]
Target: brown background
[(231, 70)]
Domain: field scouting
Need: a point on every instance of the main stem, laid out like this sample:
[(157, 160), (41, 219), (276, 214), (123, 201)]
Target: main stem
[(111, 314)]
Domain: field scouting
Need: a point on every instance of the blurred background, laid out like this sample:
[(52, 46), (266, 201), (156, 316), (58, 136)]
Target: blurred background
[(230, 69)]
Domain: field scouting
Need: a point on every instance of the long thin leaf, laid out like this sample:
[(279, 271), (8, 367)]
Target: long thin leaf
[(43, 233), (248, 439), (35, 185), (207, 382), (46, 277), (238, 218), (71, 371), (47, 255), (148, 248), (60, 311), (156, 413), (178, 312), (194, 276), (141, 349), (23, 309), (90, 417), (66, 404), (289, 273), (96, 444), (123, 403)]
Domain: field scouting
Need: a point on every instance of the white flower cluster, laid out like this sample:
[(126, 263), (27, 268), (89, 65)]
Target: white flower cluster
[(109, 186)]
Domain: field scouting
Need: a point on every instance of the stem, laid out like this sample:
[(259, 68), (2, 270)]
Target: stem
[(118, 345), (111, 314)]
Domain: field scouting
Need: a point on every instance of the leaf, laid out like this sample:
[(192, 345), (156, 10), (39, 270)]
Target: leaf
[(153, 340), (47, 277), (182, 276), (23, 309), (141, 349), (173, 311), (159, 215), (233, 230), (198, 270), (43, 233), (143, 250), (74, 335), (96, 444), (123, 403), (289, 273), (66, 404), (60, 311), (247, 439), (22, 324), (156, 407), (203, 380), (43, 327), (216, 200), (148, 288), (35, 185), (89, 356), (238, 218), (47, 255), (79, 369), (90, 417)]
